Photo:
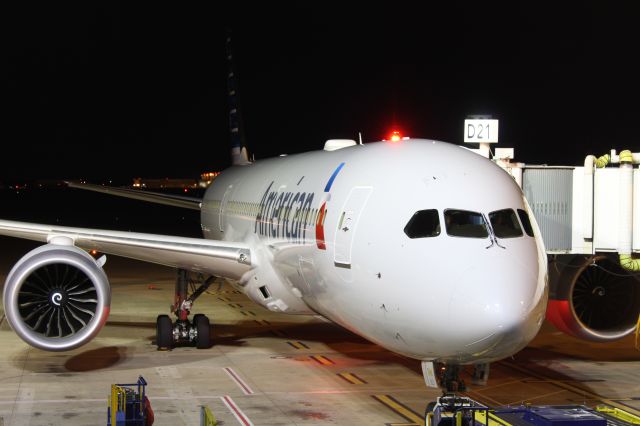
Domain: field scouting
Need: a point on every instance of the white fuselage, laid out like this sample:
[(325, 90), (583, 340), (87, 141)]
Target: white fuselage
[(328, 231)]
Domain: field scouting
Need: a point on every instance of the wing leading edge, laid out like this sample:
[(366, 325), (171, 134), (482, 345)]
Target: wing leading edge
[(228, 260), (136, 194)]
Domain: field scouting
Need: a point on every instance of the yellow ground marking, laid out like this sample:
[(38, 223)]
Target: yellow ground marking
[(352, 378), (483, 398), (298, 345), (400, 409), (322, 359)]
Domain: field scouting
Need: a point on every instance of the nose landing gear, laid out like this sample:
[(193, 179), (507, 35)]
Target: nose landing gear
[(184, 332), (444, 376), (450, 380), (447, 378)]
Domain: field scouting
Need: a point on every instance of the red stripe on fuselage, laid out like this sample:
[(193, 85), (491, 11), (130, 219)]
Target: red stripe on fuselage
[(320, 228)]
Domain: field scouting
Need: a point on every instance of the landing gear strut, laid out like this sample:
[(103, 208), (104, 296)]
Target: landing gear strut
[(444, 376), (184, 332), (449, 378)]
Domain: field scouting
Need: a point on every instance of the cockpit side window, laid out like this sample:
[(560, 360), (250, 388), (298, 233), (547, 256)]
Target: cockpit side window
[(505, 224), (423, 223), (526, 223), (462, 223)]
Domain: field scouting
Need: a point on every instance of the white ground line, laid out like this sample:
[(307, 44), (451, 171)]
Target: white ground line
[(237, 412), (241, 383)]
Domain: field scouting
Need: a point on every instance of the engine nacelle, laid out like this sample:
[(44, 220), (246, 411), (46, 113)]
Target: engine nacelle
[(592, 297), (57, 297)]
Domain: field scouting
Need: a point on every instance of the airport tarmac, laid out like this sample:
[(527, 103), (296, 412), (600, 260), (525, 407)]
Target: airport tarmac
[(271, 369)]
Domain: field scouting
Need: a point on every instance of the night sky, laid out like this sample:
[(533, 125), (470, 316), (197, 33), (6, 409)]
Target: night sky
[(121, 90)]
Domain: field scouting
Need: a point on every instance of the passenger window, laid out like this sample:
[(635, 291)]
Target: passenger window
[(526, 223), (505, 224), (423, 223), (462, 223)]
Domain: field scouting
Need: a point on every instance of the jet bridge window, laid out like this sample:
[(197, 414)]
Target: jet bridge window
[(526, 223), (462, 223), (505, 224), (423, 223)]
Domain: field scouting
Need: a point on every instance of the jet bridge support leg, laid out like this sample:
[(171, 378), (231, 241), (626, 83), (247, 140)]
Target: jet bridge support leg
[(183, 331)]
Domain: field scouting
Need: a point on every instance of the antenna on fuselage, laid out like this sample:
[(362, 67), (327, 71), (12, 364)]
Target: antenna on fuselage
[(360, 137)]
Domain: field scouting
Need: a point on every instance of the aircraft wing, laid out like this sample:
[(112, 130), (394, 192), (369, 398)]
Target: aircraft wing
[(137, 194), (223, 259)]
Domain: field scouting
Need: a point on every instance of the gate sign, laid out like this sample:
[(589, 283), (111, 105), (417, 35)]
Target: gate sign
[(480, 130)]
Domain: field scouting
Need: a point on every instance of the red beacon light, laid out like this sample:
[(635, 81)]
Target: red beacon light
[(395, 136)]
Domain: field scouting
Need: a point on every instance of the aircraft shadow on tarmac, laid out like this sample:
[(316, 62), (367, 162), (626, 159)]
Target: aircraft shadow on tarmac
[(241, 334)]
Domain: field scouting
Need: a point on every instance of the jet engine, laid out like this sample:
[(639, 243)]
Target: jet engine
[(57, 297), (592, 297)]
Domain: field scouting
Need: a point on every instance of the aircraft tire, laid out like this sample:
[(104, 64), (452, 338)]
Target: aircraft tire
[(164, 332), (202, 324), (194, 321)]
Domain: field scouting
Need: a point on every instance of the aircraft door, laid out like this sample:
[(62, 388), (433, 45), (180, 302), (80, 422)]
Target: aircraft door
[(223, 206), (347, 223)]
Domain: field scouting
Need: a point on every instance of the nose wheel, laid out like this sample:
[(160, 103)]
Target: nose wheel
[(196, 332)]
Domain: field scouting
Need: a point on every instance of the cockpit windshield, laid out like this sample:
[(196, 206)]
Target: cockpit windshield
[(524, 217), (463, 223), (424, 223), (467, 224), (505, 224)]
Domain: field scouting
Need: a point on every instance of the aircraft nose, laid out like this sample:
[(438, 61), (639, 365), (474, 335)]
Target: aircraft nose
[(500, 305)]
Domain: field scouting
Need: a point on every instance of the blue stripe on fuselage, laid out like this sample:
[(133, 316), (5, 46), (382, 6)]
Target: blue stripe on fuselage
[(333, 176)]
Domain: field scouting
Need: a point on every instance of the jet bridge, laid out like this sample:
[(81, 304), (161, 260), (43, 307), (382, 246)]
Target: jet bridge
[(589, 221), (583, 213)]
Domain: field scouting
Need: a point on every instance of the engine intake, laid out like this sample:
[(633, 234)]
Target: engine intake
[(592, 297), (57, 297)]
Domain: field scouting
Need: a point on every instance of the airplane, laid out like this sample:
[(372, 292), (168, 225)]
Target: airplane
[(420, 246)]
